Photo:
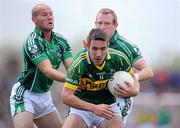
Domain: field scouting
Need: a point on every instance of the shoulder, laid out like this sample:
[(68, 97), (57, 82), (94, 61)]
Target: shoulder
[(123, 42), (119, 58), (80, 53), (128, 47), (59, 37), (33, 41), (60, 40), (79, 58), (116, 53), (78, 65), (33, 36)]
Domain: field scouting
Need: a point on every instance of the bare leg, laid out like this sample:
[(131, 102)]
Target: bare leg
[(52, 120), (74, 121), (117, 122), (23, 120)]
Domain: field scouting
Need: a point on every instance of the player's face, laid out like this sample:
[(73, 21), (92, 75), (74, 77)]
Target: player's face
[(105, 23), (44, 19), (97, 50)]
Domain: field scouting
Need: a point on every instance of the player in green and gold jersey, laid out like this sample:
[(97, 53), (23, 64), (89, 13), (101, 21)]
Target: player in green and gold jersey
[(86, 89), (106, 20)]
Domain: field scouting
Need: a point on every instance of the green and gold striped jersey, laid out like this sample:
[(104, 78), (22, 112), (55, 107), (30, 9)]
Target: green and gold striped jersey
[(90, 81), (121, 44), (37, 49)]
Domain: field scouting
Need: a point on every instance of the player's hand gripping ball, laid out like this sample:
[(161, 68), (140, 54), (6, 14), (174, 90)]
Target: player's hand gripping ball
[(118, 79)]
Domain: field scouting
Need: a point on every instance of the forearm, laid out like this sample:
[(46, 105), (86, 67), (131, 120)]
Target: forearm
[(46, 67), (144, 71), (136, 86), (75, 102), (55, 75), (144, 74), (59, 76)]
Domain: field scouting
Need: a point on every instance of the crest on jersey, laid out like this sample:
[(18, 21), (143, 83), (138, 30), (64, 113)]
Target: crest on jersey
[(33, 48), (59, 52), (136, 49)]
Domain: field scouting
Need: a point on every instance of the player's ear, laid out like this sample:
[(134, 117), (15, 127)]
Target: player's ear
[(85, 44), (34, 19), (116, 24)]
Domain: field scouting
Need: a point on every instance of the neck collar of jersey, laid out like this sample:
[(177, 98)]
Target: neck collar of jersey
[(40, 33), (88, 58)]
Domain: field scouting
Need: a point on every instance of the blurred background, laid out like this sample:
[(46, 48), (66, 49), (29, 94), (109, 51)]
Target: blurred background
[(154, 25)]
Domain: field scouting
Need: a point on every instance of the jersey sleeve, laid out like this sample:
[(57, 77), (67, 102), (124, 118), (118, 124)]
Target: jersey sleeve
[(130, 49), (136, 54), (35, 50), (67, 51), (65, 45), (124, 63), (131, 72), (72, 80)]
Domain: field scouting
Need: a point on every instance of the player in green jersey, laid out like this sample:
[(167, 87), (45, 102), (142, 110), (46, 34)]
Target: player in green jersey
[(43, 52), (106, 20), (86, 89)]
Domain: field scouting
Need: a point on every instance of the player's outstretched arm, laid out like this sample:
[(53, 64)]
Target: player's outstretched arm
[(46, 67)]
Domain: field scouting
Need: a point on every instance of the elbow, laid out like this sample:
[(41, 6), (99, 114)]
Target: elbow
[(63, 98), (151, 74), (66, 98), (136, 89), (136, 92)]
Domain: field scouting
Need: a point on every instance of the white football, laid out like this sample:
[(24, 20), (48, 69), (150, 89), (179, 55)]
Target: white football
[(119, 77)]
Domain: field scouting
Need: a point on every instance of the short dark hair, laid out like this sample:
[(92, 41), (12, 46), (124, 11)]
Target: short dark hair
[(96, 34)]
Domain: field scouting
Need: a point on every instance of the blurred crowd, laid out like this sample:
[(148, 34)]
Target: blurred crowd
[(9, 69), (163, 81)]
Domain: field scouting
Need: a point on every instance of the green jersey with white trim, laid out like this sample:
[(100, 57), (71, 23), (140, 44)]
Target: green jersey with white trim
[(121, 44), (90, 81), (37, 49)]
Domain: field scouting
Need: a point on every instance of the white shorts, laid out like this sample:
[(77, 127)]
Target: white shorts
[(92, 119), (125, 106), (21, 99)]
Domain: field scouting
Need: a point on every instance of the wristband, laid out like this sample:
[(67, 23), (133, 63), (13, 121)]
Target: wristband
[(137, 76)]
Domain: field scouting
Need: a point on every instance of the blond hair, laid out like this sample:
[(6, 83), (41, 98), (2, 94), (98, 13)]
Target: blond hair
[(107, 11)]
